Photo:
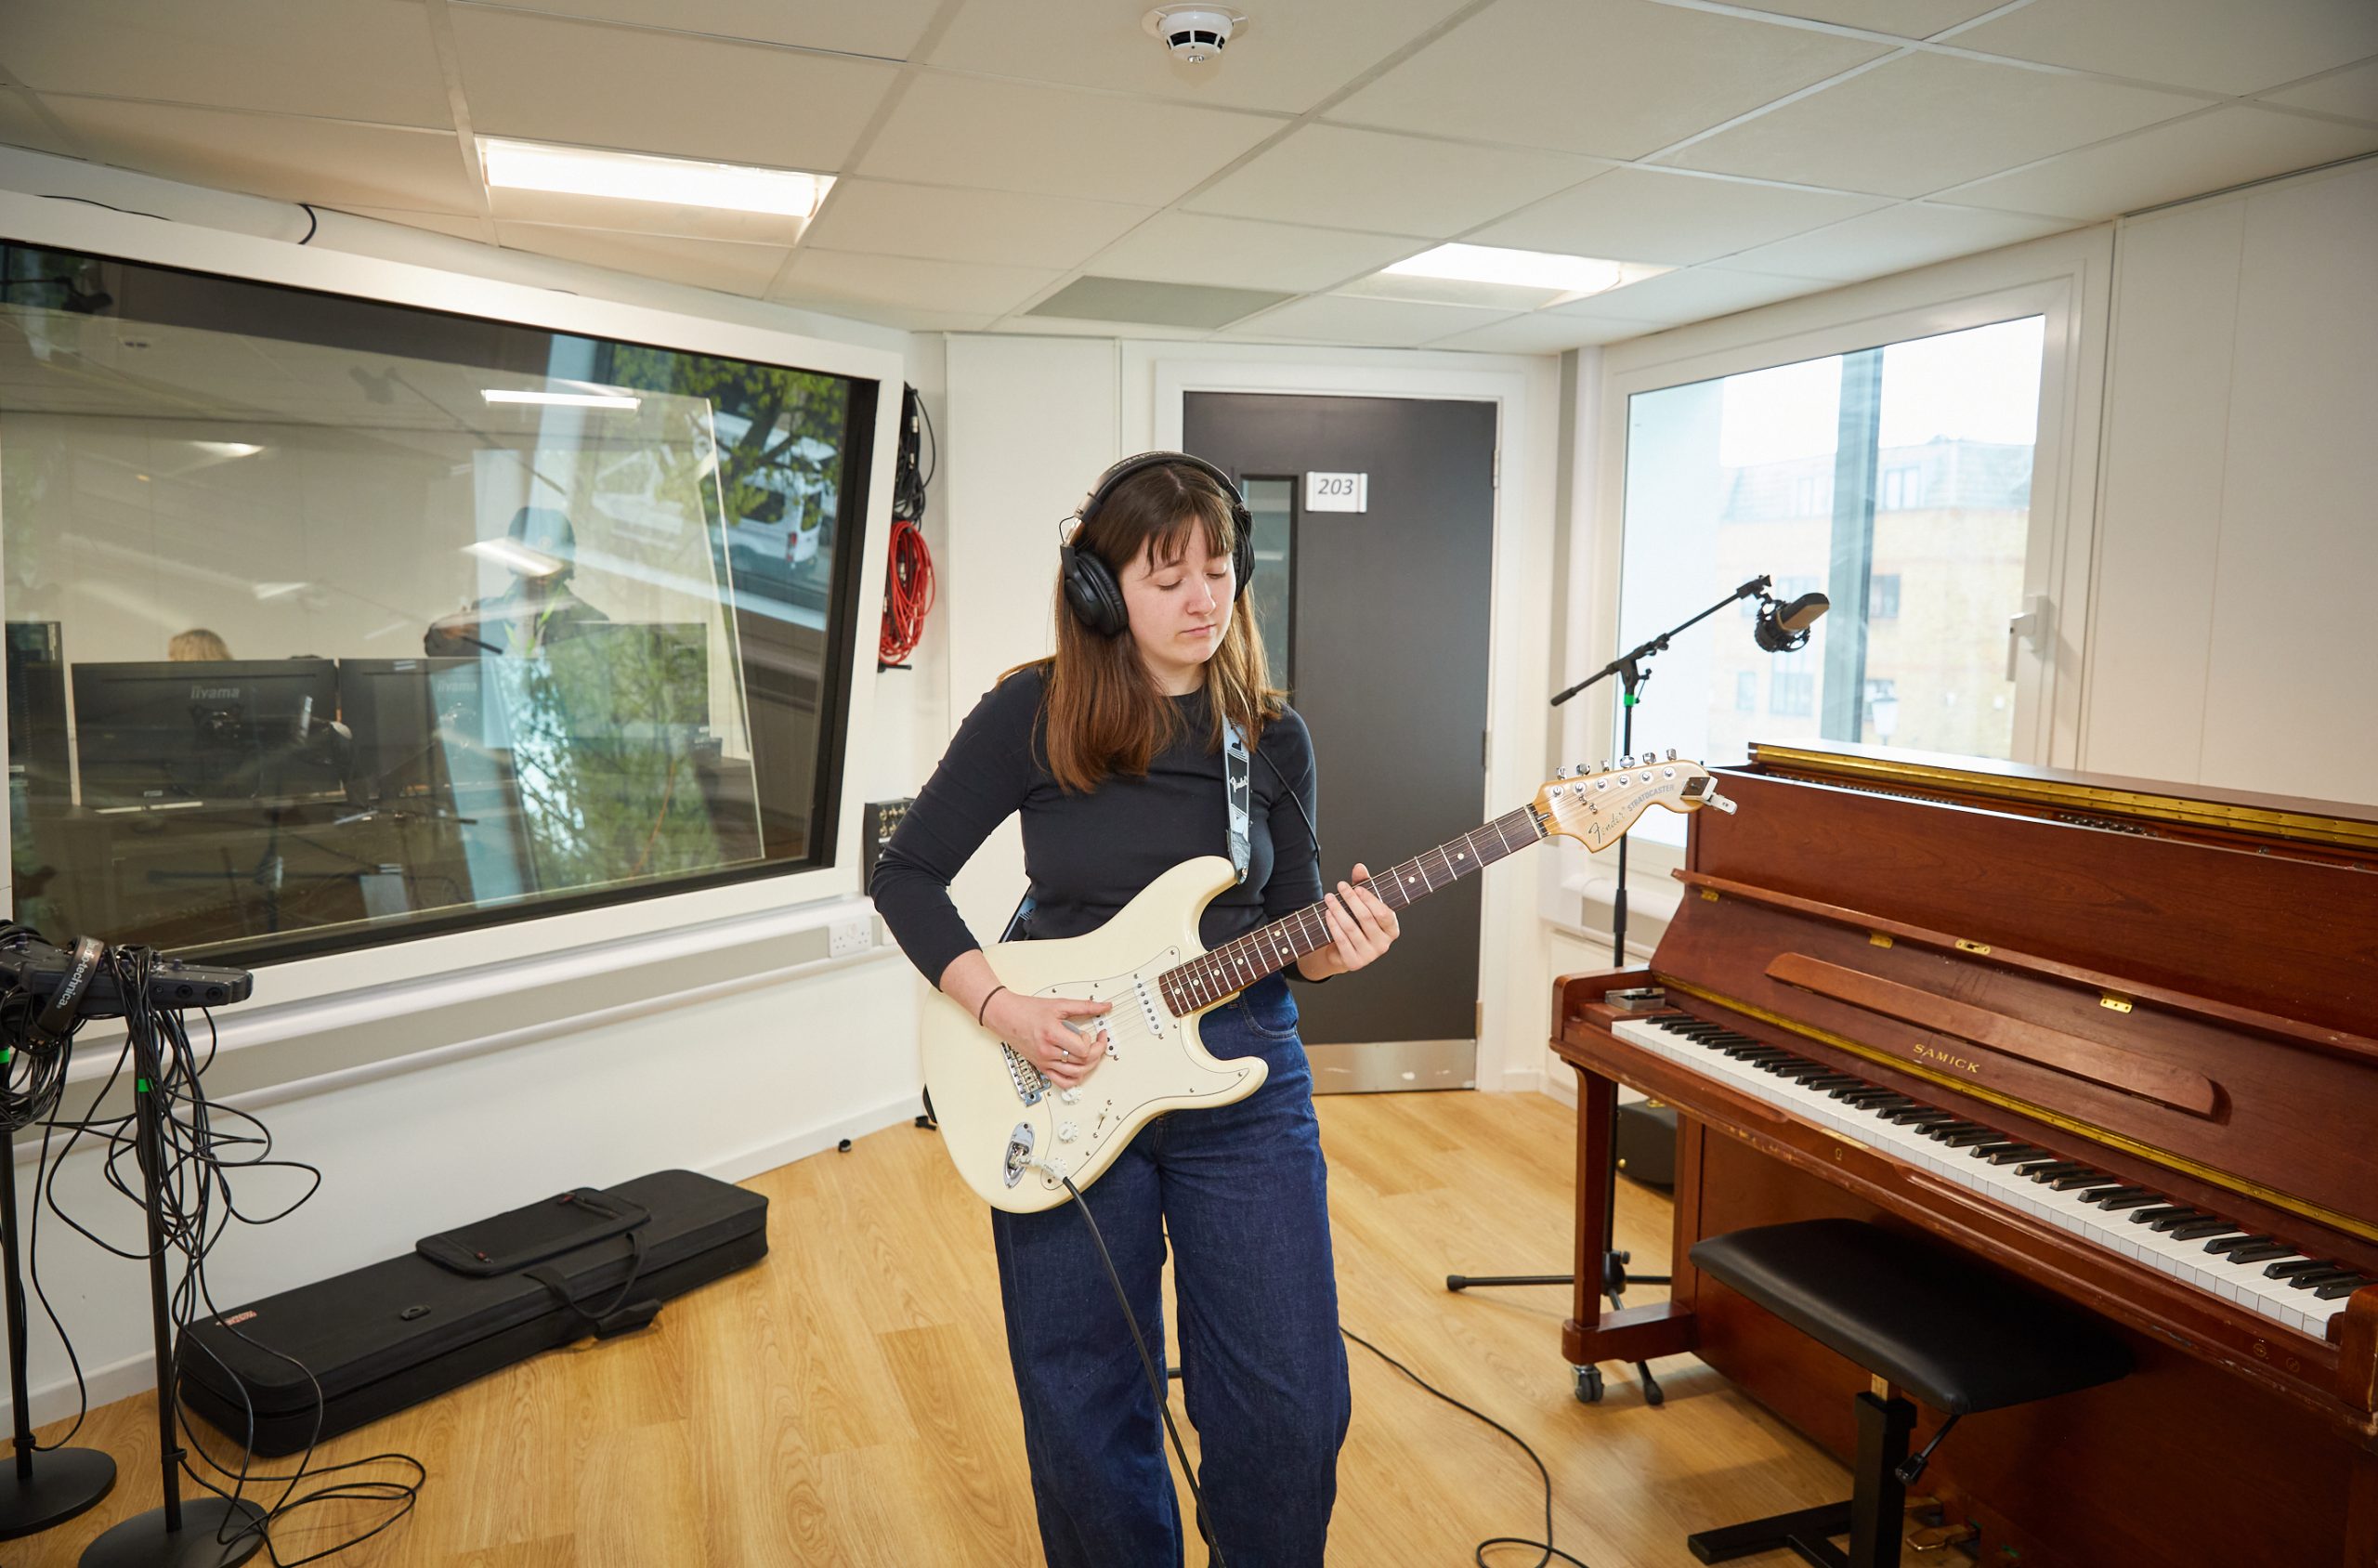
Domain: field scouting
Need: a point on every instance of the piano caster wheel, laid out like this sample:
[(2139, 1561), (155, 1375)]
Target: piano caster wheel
[(1589, 1384)]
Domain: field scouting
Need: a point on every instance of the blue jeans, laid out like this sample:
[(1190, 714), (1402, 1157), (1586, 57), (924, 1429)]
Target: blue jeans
[(1242, 1194)]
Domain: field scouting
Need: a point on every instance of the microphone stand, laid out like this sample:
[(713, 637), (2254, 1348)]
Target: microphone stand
[(1629, 669), (214, 1531), (70, 1480)]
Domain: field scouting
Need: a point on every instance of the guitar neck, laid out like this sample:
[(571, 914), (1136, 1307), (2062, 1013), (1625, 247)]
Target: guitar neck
[(1242, 960)]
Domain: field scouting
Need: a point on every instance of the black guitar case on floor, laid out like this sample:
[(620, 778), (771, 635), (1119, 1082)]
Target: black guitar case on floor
[(284, 1372)]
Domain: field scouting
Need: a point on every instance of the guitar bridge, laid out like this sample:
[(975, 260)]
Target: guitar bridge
[(1029, 1085)]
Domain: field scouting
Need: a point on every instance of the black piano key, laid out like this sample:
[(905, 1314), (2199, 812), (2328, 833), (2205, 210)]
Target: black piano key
[(1920, 1120), (2296, 1266), (1946, 1129), (1884, 1105), (2082, 1183), (2329, 1275), (2262, 1253), (2178, 1216), (1873, 1098), (1752, 1052), (2115, 1199), (2048, 1171), (1982, 1151), (2189, 1229), (1967, 1140), (1848, 1091), (2012, 1154), (2236, 1244), (2338, 1289), (1831, 1080)]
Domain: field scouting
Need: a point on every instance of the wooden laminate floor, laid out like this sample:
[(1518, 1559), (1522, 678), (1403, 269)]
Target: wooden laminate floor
[(847, 1402)]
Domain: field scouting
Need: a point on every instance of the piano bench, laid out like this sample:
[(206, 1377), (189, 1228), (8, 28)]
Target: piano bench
[(1958, 1335)]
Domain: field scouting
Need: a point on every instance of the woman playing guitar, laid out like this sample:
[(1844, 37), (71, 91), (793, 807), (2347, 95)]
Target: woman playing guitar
[(1115, 754)]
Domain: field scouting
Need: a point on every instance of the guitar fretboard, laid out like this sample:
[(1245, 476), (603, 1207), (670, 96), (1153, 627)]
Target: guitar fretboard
[(1242, 960)]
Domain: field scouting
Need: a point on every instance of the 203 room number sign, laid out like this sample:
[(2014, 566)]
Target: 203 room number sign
[(1337, 492)]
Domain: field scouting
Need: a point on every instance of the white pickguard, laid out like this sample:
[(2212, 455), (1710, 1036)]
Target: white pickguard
[(987, 1099)]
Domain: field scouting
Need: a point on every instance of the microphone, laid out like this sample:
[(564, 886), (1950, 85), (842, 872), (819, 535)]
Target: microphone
[(1782, 628)]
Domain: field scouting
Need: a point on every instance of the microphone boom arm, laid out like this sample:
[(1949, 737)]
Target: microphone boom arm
[(1629, 664)]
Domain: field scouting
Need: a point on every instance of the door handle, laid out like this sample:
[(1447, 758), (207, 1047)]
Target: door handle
[(2032, 626)]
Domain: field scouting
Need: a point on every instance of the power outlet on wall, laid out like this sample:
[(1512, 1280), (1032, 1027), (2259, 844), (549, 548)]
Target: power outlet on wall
[(856, 934)]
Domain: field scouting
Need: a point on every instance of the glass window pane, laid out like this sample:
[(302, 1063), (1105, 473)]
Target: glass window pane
[(330, 619), (1272, 503), (1896, 480)]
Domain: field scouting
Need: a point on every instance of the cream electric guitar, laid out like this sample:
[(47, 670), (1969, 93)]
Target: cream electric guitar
[(1016, 1136)]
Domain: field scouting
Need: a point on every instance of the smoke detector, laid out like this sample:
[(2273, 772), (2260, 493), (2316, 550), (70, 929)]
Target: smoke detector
[(1192, 32)]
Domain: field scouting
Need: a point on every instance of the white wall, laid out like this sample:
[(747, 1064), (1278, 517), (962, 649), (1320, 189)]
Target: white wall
[(2237, 538), (765, 1060), (1038, 419)]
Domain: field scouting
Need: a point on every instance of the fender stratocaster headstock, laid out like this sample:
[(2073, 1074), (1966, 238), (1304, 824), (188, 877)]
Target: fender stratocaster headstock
[(1596, 808)]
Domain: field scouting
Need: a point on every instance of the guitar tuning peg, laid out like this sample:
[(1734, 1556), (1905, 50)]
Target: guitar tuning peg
[(1561, 771), (1671, 753), (1602, 766), (1626, 761)]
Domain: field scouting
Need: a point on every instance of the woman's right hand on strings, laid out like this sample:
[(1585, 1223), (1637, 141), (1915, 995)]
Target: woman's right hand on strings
[(1036, 1028)]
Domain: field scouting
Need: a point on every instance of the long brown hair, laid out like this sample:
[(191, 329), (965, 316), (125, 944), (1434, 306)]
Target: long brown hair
[(1102, 711)]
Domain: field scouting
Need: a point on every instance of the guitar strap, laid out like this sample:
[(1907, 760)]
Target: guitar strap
[(1238, 783)]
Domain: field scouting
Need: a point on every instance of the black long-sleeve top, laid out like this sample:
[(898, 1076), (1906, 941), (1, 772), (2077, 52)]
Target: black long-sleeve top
[(1087, 855)]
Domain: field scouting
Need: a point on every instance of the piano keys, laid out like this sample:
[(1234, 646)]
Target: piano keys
[(2115, 1038)]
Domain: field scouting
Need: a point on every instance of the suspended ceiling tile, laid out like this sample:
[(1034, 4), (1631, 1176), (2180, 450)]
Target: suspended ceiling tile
[(1013, 228), (1690, 294), (289, 57), (1923, 121), (1904, 19), (1286, 57), (1342, 179), (1913, 234), (723, 265), (1542, 333), (1017, 136), (546, 79), (2353, 91), (21, 125), (1382, 323), (2209, 152), (949, 287), (1179, 247), (1617, 78), (455, 224), (1063, 326), (2220, 45), (886, 29), (913, 320), (1197, 306), (1676, 219), (279, 155)]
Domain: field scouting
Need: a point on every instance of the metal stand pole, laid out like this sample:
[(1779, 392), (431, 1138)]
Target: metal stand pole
[(68, 1481), (212, 1532)]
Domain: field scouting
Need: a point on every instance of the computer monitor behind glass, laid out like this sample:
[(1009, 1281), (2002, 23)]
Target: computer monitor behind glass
[(206, 730)]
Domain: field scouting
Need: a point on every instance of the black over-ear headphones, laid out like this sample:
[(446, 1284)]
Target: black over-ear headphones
[(1090, 587)]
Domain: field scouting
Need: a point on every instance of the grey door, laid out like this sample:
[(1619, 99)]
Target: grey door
[(1386, 643)]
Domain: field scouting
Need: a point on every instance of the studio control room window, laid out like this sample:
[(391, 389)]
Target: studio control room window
[(1896, 479), (331, 621)]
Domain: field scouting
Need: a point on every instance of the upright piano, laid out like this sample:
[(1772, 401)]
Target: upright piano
[(2115, 1038)]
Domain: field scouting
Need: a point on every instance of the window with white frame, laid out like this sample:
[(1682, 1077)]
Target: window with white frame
[(1897, 479)]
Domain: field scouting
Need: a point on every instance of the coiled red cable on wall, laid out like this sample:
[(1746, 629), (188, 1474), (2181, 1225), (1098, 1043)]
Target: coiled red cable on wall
[(908, 588), (907, 593)]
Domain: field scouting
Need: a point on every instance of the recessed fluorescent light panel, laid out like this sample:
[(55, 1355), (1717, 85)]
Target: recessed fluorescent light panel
[(1492, 275), (228, 449), (635, 177), (563, 400), (516, 557)]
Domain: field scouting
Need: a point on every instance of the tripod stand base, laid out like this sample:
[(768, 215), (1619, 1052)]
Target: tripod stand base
[(65, 1482), (144, 1542)]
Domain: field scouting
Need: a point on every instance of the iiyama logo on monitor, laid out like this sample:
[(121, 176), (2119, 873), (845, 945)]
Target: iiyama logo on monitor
[(214, 694)]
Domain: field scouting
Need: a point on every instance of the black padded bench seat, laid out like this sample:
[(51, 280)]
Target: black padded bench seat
[(1958, 1335)]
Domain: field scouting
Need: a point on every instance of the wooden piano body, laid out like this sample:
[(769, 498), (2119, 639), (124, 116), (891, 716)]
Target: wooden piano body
[(2179, 991)]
